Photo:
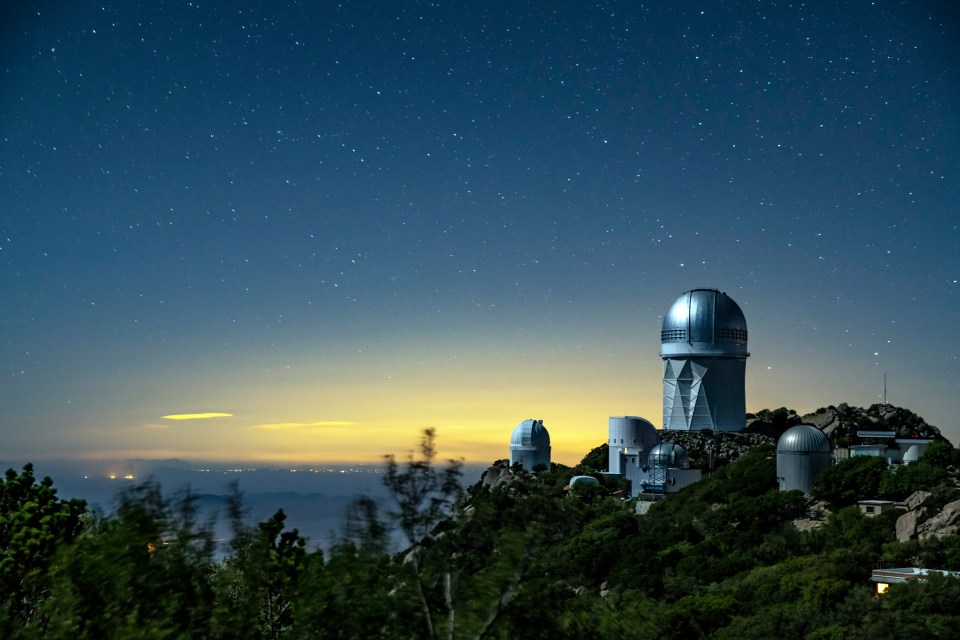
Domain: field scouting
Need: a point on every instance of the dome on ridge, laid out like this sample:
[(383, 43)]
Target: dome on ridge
[(803, 439)]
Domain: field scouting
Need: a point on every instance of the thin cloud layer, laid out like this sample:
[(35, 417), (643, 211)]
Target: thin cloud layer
[(196, 416)]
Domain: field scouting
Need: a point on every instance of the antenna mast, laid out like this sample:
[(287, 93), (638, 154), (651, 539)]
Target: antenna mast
[(884, 387)]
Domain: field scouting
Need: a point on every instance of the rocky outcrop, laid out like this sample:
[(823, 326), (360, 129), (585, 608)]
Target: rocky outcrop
[(724, 446), (843, 421), (922, 522), (945, 523), (907, 525), (497, 476), (915, 500), (827, 420), (840, 422)]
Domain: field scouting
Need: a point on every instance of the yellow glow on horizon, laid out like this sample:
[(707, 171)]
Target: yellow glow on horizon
[(303, 425), (358, 412)]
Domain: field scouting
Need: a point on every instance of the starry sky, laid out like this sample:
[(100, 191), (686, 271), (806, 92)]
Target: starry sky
[(341, 223)]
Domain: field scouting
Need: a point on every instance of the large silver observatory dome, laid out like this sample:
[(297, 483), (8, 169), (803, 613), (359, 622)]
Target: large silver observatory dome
[(704, 322)]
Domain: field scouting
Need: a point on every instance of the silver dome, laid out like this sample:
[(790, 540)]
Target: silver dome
[(668, 454), (530, 433), (530, 445), (803, 439), (704, 322)]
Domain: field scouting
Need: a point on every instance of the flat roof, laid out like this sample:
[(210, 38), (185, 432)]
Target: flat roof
[(902, 574)]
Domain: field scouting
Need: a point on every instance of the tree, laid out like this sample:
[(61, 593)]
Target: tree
[(423, 495), (941, 454), (597, 460), (277, 561), (850, 480), (33, 524), (257, 587), (142, 572)]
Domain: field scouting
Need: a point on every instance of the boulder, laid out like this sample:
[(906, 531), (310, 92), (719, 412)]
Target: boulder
[(942, 524), (916, 499), (907, 525), (826, 420), (491, 476), (950, 530), (950, 512)]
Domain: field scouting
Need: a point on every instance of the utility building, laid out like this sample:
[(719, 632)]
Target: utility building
[(704, 351), (630, 442), (651, 467)]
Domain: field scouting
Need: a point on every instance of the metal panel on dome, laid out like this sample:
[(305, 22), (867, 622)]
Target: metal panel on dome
[(803, 438), (701, 316)]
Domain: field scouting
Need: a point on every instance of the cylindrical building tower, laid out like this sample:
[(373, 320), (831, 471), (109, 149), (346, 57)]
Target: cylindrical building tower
[(803, 451), (704, 351), (630, 436), (530, 445)]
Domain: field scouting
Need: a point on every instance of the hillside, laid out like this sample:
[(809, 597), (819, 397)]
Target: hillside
[(517, 555), (840, 423)]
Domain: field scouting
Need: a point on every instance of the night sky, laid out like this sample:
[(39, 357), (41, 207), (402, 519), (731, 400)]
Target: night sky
[(340, 223)]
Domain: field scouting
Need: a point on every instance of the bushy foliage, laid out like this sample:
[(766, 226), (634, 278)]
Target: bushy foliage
[(596, 460), (33, 524), (849, 480)]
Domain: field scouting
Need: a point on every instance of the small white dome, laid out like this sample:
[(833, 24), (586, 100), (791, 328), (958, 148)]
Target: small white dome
[(913, 453), (575, 480)]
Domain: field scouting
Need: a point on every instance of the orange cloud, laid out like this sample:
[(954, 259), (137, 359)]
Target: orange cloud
[(196, 416)]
